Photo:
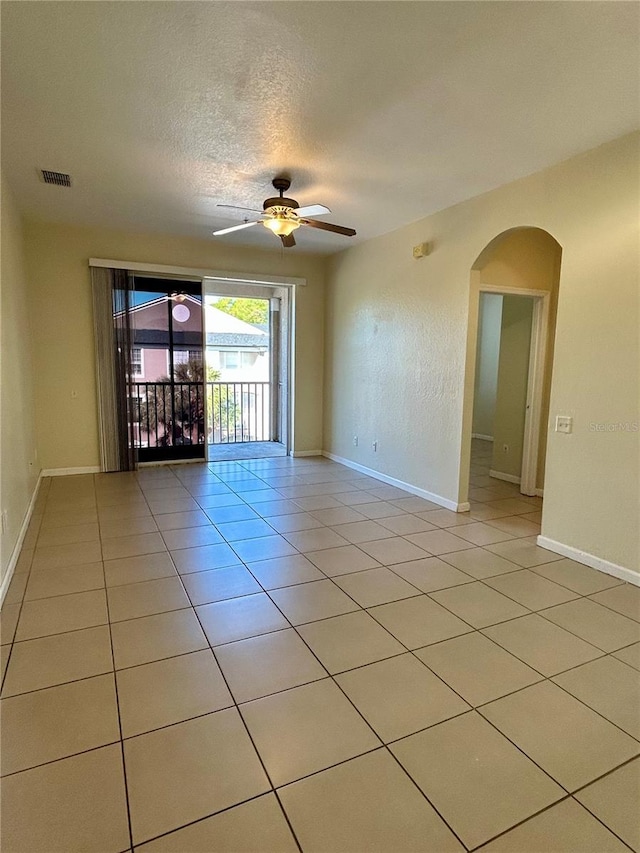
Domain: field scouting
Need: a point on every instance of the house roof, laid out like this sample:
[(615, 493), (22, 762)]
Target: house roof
[(384, 111), (220, 323), (225, 340), (223, 330)]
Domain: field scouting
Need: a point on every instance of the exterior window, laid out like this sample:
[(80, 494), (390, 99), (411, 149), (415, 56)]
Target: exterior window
[(249, 358), (136, 361), (183, 356), (230, 360)]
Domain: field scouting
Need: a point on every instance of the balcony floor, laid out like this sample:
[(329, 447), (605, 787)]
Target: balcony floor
[(246, 450)]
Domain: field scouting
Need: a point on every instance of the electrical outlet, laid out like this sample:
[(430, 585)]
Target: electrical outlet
[(355, 440), (505, 448)]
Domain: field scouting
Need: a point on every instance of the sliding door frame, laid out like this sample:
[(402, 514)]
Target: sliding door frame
[(280, 350), (220, 277)]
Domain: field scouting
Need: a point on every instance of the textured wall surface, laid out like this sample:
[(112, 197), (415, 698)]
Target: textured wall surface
[(401, 337), (18, 458)]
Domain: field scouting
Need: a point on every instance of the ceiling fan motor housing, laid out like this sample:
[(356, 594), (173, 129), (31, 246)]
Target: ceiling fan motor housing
[(282, 185), (280, 201)]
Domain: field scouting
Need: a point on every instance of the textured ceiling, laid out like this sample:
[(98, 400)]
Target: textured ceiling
[(383, 111)]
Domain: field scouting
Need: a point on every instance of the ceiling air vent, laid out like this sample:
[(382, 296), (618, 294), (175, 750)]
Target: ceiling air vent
[(60, 179)]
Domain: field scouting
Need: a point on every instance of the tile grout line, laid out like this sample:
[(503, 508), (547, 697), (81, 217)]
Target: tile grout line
[(363, 609), (45, 496), (334, 681), (244, 723), (367, 723), (117, 698)]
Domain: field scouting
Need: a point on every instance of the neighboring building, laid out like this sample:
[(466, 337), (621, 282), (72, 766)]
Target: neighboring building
[(241, 402), (238, 352)]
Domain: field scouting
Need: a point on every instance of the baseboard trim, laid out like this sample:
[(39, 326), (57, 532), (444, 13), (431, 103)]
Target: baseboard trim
[(297, 454), (400, 484), (19, 541), (509, 478), (481, 436), (590, 560), (65, 472)]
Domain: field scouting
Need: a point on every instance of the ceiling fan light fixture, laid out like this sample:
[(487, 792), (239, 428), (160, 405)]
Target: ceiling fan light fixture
[(281, 226), (283, 215)]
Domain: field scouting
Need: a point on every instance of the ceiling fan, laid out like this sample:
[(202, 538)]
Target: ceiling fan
[(283, 215)]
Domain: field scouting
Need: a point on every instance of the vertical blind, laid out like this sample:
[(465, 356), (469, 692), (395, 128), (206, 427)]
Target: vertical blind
[(112, 291)]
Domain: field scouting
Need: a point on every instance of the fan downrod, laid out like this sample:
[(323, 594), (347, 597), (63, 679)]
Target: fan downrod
[(281, 184)]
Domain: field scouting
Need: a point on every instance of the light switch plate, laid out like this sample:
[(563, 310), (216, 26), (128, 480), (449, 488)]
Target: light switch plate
[(564, 423)]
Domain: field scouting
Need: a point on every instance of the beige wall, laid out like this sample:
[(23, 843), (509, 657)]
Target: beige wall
[(488, 352), (63, 331), (511, 390), (383, 308), (18, 464)]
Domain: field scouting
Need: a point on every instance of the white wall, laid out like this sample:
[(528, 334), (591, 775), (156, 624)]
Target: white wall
[(512, 384), (18, 463), (486, 382), (401, 343)]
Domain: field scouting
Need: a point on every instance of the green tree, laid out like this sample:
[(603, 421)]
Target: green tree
[(179, 418), (221, 399), (254, 311), (176, 418)]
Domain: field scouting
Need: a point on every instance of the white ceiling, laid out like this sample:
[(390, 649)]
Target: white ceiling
[(383, 111)]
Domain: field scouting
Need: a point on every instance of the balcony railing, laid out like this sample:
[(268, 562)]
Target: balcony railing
[(167, 414), (238, 411)]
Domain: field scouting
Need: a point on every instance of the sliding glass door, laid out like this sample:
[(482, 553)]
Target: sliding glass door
[(167, 408)]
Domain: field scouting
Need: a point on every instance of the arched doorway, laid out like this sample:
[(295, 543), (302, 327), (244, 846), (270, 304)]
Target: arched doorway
[(518, 272)]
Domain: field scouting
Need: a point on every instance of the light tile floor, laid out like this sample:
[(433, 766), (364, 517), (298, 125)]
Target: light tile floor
[(281, 655)]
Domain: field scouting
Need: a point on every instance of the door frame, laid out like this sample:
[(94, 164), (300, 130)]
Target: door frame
[(535, 380)]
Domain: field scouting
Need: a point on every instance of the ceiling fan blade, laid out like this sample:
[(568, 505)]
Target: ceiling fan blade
[(288, 241), (235, 228), (327, 226), (235, 207), (312, 210)]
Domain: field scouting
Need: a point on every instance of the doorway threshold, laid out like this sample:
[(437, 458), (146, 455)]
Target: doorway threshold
[(245, 450)]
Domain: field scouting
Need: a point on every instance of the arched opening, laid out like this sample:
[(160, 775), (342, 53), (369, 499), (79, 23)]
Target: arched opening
[(513, 302)]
